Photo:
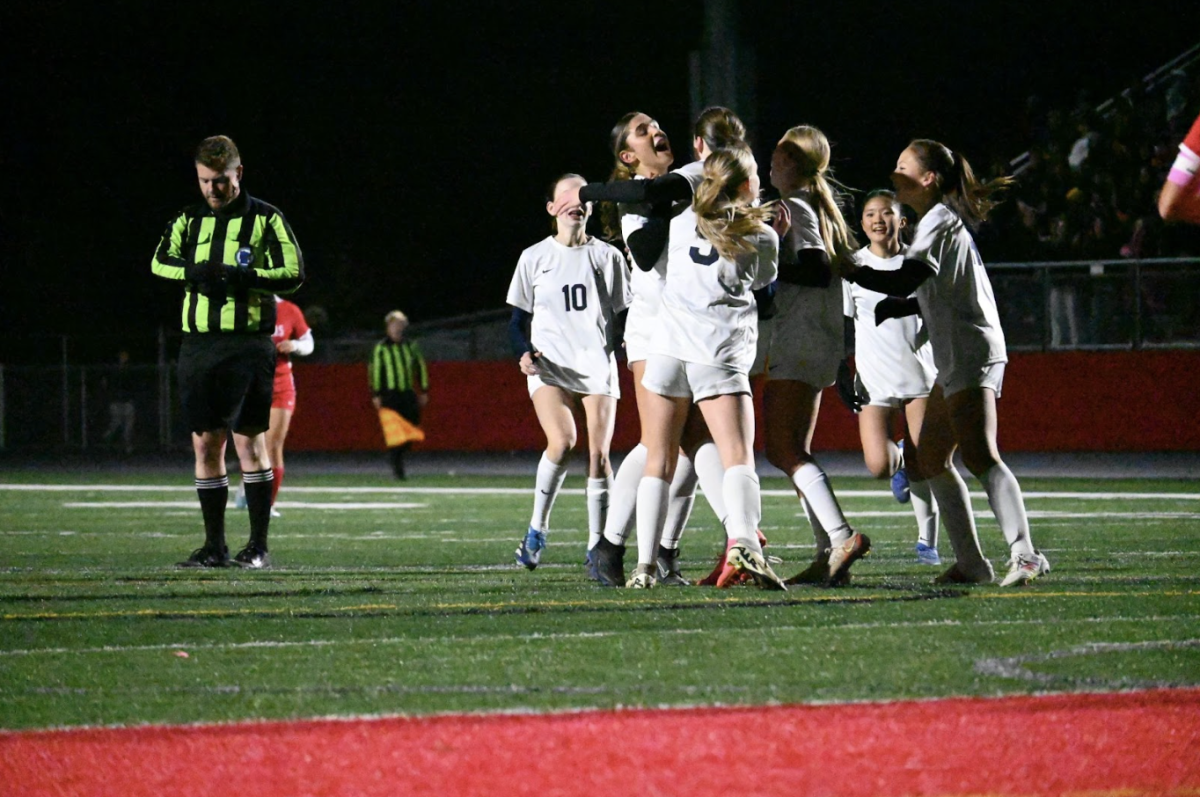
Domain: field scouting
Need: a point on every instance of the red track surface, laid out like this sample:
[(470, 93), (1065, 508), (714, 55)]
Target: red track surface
[(1131, 743)]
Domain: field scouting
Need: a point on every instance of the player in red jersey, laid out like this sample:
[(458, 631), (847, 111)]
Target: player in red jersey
[(292, 336), (1180, 197)]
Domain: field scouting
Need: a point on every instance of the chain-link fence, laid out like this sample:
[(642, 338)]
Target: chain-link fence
[(59, 403)]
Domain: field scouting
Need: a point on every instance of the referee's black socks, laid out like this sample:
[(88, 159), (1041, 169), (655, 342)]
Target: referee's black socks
[(258, 500), (214, 494)]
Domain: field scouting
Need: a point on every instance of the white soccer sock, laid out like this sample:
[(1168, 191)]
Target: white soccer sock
[(744, 499), (820, 538), (711, 473), (651, 512), (597, 507), (622, 496), (549, 480), (681, 497), (812, 482), (925, 507), (954, 502), (1008, 505)]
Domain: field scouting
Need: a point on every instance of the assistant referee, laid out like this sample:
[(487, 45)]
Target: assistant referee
[(232, 253)]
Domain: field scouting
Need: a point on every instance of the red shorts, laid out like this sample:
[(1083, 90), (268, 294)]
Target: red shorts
[(284, 395)]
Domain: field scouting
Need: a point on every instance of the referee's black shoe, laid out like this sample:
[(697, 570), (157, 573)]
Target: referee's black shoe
[(252, 556), (207, 557)]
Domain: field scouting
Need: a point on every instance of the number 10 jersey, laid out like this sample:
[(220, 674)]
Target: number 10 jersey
[(574, 294)]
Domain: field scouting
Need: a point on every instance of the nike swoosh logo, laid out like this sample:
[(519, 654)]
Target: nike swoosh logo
[(547, 270)]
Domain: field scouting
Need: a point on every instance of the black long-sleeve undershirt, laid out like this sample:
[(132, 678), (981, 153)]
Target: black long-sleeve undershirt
[(668, 188), (647, 243), (901, 282), (518, 331), (896, 307)]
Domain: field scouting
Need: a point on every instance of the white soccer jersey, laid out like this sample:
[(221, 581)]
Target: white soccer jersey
[(894, 360), (646, 286), (957, 302), (692, 172), (708, 314), (807, 336), (573, 292)]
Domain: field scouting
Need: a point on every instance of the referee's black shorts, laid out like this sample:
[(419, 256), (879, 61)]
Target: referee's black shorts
[(226, 381)]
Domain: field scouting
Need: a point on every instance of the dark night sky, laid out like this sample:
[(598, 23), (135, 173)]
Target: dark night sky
[(409, 147)]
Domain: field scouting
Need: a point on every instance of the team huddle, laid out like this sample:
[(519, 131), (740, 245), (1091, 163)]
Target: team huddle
[(718, 288)]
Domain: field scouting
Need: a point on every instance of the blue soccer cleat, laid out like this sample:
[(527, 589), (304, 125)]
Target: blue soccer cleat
[(900, 479), (529, 553), (927, 555)]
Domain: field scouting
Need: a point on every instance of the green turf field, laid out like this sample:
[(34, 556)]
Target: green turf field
[(386, 600)]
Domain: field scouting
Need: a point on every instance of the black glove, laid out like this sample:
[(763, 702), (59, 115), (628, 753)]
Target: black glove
[(206, 277), (895, 307), (846, 389), (240, 278)]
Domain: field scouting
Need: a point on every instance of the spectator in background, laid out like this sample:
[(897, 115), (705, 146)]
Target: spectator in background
[(399, 381), (121, 410)]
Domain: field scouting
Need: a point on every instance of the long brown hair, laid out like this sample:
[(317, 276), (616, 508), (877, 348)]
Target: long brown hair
[(725, 220), (618, 138), (964, 193), (808, 148), (719, 128)]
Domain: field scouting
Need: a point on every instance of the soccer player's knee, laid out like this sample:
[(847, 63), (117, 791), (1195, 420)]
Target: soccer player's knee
[(560, 447)]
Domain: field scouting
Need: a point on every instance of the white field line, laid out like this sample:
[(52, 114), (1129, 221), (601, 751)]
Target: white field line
[(193, 505), (537, 637), (1088, 496), (1042, 514), (1014, 666)]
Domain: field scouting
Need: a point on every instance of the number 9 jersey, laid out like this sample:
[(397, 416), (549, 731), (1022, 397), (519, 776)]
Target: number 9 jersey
[(574, 294), (708, 314)]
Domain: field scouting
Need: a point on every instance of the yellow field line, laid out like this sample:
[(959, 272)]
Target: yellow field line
[(563, 604)]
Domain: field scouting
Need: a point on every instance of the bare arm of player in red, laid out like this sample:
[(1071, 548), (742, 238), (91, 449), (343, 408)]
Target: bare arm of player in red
[(1180, 197)]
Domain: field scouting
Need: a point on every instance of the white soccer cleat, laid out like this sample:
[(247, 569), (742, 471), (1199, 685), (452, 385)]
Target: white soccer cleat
[(1024, 569), (745, 560), (847, 553), (643, 577)]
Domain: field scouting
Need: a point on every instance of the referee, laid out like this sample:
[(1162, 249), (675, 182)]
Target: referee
[(399, 380), (232, 253)]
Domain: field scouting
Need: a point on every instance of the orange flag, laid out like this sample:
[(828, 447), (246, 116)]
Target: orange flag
[(397, 430)]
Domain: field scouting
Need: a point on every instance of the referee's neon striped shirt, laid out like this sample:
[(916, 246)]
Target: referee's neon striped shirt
[(397, 366), (198, 234)]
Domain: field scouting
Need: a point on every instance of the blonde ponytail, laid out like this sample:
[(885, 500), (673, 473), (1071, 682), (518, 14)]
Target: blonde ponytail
[(722, 218), (808, 148)]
